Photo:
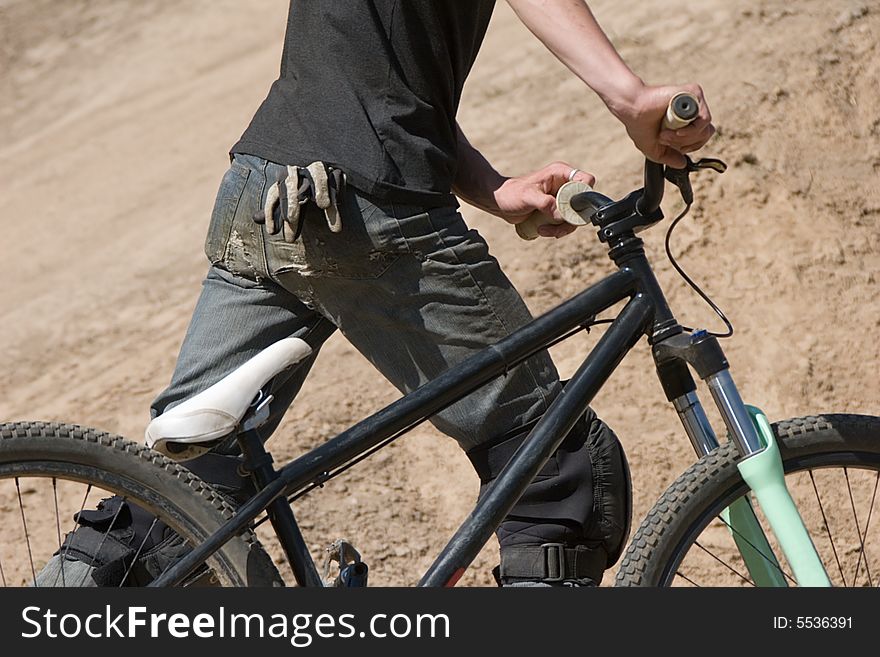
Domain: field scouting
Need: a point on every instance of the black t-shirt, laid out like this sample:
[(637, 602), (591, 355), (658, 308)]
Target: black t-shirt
[(373, 86)]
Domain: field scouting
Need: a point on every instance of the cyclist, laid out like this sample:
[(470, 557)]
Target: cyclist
[(363, 116)]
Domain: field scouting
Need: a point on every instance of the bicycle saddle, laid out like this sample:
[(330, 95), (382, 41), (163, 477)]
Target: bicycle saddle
[(188, 429)]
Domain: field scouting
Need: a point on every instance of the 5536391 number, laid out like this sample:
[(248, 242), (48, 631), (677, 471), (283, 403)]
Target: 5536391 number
[(812, 622)]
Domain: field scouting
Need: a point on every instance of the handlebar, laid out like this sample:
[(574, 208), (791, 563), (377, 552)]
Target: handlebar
[(682, 110), (655, 183)]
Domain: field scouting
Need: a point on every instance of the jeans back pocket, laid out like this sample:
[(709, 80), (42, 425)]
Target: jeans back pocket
[(367, 246), (225, 206)]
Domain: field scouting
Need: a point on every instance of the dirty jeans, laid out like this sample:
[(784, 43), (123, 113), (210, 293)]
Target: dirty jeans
[(416, 292), (413, 289)]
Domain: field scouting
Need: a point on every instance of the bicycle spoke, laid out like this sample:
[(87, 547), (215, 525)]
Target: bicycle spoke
[(138, 553), (865, 535), (687, 579), (725, 564), (58, 523), (827, 527), (856, 520), (774, 562), (104, 538), (72, 533), (27, 536)]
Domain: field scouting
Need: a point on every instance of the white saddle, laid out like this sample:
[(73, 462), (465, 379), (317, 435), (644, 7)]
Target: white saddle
[(187, 430)]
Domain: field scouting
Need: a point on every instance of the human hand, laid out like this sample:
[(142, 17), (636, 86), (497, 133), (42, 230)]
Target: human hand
[(520, 196), (643, 121)]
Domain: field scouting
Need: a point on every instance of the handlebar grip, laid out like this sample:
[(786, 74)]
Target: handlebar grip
[(528, 229), (683, 109)]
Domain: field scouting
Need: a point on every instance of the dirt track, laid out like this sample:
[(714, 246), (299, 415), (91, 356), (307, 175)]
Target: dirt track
[(114, 125)]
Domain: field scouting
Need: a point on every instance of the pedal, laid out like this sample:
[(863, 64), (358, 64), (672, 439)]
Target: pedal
[(351, 570)]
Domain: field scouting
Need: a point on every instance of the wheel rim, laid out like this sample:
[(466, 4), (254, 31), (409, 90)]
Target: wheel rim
[(838, 495), (38, 501)]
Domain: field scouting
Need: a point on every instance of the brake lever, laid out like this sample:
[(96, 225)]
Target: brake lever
[(681, 177)]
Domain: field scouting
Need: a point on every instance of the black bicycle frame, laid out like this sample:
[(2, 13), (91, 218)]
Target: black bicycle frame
[(645, 313)]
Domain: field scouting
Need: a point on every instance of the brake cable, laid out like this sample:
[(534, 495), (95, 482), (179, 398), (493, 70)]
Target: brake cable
[(680, 178)]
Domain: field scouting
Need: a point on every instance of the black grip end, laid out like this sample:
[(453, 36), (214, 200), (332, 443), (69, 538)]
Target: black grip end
[(685, 107)]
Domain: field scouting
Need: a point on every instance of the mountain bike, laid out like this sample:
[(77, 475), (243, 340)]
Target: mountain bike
[(730, 519)]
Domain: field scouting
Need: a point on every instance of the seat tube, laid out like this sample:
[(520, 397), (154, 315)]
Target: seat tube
[(259, 462)]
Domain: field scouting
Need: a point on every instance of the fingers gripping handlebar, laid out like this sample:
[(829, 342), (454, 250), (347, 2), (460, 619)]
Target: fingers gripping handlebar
[(575, 200), (682, 110)]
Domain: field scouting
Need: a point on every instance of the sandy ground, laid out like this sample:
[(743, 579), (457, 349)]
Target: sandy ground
[(115, 120)]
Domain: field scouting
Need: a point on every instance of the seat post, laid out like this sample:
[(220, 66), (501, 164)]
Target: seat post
[(258, 463)]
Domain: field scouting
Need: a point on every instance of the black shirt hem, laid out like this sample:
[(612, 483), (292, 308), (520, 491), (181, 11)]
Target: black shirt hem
[(377, 189)]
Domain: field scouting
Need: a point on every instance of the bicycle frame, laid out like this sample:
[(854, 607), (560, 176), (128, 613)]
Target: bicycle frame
[(645, 313)]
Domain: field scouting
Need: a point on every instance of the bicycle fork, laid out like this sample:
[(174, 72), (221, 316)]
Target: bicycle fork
[(760, 465)]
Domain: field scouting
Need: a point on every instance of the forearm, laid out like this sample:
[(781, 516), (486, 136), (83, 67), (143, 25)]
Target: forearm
[(476, 180), (570, 31)]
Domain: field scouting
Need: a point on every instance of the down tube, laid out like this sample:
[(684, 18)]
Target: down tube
[(542, 441)]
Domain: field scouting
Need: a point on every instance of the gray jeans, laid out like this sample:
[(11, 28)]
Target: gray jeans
[(414, 290)]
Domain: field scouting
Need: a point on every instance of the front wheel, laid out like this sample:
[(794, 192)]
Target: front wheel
[(832, 466)]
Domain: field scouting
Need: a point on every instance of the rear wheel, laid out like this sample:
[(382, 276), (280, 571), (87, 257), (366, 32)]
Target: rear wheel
[(51, 472), (832, 466)]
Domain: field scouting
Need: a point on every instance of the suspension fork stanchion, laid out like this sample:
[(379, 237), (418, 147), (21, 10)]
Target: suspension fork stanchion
[(739, 517), (696, 424), (259, 464), (734, 413), (681, 391)]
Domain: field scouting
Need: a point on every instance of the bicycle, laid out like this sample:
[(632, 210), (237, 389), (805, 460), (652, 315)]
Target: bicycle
[(710, 504)]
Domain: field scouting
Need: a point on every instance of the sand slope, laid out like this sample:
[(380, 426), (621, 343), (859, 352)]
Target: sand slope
[(114, 124)]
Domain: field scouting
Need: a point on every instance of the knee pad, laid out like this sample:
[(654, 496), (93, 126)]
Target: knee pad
[(576, 513)]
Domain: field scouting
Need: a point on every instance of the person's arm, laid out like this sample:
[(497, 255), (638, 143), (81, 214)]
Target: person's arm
[(476, 181), (569, 30), (512, 198)]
